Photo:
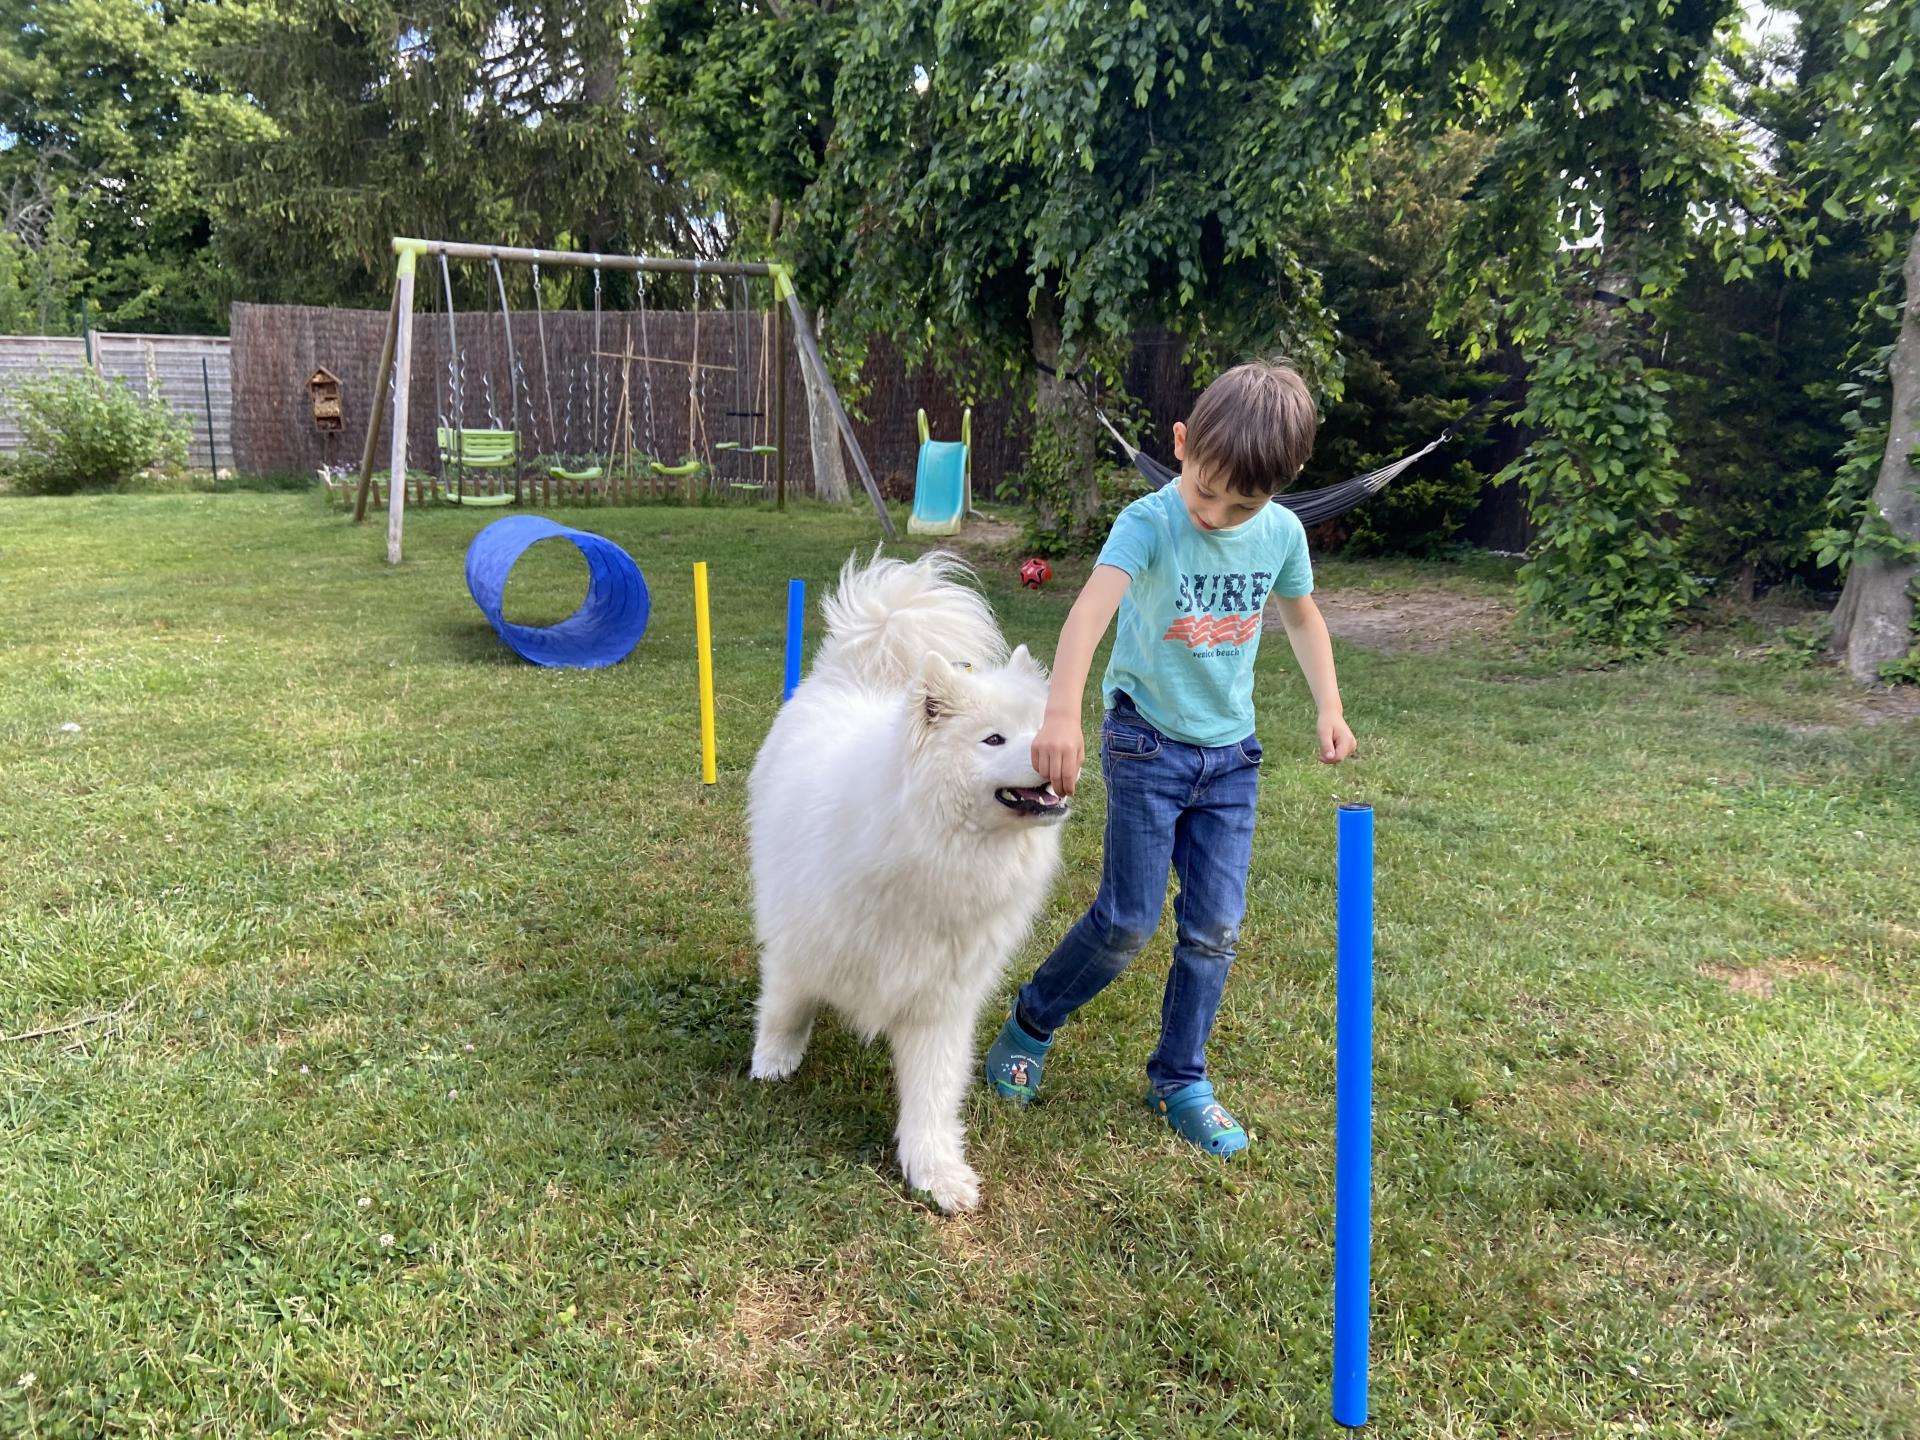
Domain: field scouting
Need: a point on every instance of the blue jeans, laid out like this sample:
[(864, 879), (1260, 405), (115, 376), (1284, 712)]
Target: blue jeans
[(1188, 807)]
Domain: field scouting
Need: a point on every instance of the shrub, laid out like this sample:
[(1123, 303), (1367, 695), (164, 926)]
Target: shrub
[(83, 432)]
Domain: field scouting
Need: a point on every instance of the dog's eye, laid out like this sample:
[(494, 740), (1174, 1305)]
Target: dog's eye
[(994, 740)]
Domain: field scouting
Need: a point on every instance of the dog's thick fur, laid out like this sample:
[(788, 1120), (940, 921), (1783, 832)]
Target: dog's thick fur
[(902, 842)]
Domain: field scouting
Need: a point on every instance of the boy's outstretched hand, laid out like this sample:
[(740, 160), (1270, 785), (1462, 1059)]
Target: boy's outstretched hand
[(1336, 740), (1058, 750)]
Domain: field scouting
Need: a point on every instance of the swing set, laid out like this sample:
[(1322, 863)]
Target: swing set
[(603, 425)]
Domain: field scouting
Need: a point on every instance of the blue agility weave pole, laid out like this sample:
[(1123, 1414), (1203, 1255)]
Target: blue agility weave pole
[(1353, 1119), (796, 629), (609, 622)]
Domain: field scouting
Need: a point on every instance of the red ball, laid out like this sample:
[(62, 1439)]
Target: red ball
[(1035, 573)]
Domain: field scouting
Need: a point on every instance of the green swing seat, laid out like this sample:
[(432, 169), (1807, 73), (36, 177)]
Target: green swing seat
[(463, 450)]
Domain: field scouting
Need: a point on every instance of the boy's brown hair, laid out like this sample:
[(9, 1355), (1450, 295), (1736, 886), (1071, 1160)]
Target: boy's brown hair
[(1253, 428)]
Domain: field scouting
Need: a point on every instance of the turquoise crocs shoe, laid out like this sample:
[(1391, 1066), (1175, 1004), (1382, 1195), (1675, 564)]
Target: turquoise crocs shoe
[(1199, 1119), (1014, 1061)]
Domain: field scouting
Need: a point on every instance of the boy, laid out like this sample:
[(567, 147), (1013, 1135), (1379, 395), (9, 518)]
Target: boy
[(1188, 569)]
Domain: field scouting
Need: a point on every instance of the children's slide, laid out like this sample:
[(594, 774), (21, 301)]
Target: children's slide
[(943, 483)]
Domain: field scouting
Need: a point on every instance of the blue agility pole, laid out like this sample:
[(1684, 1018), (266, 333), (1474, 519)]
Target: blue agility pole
[(1353, 1121), (796, 628)]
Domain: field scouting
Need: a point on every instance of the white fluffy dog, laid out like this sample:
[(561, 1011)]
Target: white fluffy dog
[(902, 842)]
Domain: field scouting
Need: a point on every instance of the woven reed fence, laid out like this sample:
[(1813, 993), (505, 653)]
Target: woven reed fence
[(581, 397)]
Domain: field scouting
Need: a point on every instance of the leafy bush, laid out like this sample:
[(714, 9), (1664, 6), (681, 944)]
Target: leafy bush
[(1069, 516), (83, 432)]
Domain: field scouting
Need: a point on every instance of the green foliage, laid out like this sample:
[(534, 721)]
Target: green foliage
[(1069, 517), (1757, 415), (99, 104), (486, 122), (1067, 173), (84, 432), (1798, 647), (1906, 670), (1854, 525), (1601, 483), (1612, 165), (1381, 259)]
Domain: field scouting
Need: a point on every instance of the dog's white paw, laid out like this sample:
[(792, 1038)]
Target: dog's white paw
[(775, 1064), (952, 1186)]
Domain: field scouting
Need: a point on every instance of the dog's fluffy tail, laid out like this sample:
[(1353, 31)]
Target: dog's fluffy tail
[(887, 616)]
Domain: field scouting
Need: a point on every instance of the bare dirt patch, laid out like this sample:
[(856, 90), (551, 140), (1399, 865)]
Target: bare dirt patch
[(1881, 705), (776, 1317), (985, 536), (1741, 979), (1759, 981), (1420, 620)]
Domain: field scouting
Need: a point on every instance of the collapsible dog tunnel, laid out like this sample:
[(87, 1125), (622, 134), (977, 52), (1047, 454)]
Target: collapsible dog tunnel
[(606, 627)]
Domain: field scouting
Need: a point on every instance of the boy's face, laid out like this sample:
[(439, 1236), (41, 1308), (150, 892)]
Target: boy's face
[(1210, 504)]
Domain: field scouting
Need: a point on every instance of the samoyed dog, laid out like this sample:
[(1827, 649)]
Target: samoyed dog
[(902, 842)]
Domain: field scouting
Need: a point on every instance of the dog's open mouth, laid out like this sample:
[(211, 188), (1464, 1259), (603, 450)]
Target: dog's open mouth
[(1034, 800)]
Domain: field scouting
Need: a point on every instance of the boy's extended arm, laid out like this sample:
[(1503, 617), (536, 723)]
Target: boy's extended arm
[(1060, 746), (1307, 633)]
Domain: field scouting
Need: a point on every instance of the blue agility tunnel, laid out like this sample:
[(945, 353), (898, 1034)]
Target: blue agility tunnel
[(606, 627)]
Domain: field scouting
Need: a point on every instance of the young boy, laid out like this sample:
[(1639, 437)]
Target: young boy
[(1189, 570)]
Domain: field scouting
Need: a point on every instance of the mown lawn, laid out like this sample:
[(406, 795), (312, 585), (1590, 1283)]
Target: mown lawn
[(419, 1102)]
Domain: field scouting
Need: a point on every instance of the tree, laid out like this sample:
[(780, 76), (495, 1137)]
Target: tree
[(1381, 258), (1863, 80), (1027, 184), (96, 101), (344, 124), (1756, 365), (1758, 359), (1616, 163), (41, 259)]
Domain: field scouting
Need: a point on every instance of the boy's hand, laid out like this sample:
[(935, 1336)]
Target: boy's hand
[(1058, 749), (1336, 740)]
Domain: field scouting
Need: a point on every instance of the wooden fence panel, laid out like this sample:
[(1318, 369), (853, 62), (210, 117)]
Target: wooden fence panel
[(173, 360), (27, 357)]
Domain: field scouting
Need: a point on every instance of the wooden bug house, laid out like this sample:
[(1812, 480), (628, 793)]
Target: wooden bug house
[(323, 390)]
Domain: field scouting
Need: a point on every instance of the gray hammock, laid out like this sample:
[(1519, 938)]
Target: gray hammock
[(1312, 506)]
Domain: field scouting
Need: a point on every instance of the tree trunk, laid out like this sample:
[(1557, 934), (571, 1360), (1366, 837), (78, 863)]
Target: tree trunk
[(1061, 415), (829, 461), (1873, 622)]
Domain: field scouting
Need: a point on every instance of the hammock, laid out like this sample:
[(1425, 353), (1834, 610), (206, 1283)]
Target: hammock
[(1312, 506)]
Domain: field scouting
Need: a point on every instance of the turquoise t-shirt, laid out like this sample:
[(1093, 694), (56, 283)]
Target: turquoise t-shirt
[(1189, 624)]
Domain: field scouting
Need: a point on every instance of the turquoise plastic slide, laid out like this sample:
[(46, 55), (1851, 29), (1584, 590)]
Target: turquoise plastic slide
[(943, 483)]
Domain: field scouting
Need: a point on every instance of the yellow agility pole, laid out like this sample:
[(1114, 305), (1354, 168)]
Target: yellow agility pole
[(703, 637)]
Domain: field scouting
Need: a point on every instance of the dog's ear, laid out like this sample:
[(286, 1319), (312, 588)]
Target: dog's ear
[(939, 691), (1022, 660)]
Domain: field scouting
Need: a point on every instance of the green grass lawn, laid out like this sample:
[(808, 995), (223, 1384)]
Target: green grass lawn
[(419, 1104)]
